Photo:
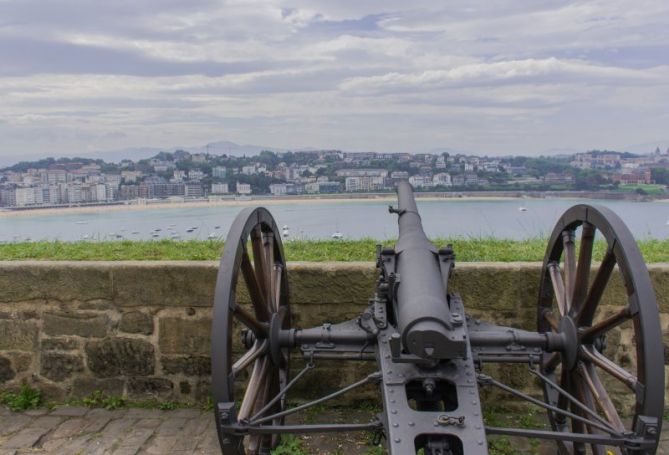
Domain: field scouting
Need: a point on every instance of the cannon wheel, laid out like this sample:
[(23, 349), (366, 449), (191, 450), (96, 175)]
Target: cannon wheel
[(245, 369), (576, 299)]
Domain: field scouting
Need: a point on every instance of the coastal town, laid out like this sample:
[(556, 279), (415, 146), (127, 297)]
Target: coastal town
[(181, 175)]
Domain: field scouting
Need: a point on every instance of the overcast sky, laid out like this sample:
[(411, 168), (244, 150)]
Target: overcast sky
[(488, 77)]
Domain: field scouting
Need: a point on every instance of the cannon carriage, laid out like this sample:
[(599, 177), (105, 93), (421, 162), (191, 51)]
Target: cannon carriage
[(431, 357)]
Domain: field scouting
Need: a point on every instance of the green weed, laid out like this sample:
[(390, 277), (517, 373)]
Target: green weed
[(27, 398), (290, 445), (98, 399)]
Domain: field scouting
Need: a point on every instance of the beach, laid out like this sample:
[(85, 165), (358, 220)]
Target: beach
[(246, 202)]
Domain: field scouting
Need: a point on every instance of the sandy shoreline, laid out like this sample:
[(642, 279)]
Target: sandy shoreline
[(253, 202), (390, 198)]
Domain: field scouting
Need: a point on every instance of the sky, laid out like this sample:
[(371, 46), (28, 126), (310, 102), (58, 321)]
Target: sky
[(489, 77)]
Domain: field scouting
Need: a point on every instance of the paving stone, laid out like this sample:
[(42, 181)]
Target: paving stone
[(144, 413), (188, 437), (186, 413), (136, 438), (69, 428), (95, 424), (13, 422), (171, 426), (160, 445), (25, 438), (70, 411), (149, 423), (47, 422)]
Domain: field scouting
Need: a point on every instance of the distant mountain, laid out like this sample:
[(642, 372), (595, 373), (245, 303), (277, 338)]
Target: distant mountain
[(214, 148), (647, 147), (232, 149)]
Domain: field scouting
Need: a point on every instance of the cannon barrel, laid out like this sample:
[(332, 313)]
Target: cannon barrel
[(421, 307)]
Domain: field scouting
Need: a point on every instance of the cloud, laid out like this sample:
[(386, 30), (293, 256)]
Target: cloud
[(513, 71), (393, 75)]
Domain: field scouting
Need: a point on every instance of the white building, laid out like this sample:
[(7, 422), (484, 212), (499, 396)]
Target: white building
[(420, 181), (195, 174), (243, 188), (442, 179), (219, 188), (364, 183)]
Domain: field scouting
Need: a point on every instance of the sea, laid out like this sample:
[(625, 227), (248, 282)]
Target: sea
[(348, 219)]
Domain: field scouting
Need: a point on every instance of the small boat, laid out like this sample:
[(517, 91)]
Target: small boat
[(211, 236), (154, 235), (175, 236), (217, 227), (135, 232), (522, 209), (190, 230), (337, 235), (285, 231), (193, 228)]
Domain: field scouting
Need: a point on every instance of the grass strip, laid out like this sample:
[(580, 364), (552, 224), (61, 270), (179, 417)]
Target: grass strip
[(467, 250)]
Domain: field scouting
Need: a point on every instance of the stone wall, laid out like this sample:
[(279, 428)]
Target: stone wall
[(141, 329)]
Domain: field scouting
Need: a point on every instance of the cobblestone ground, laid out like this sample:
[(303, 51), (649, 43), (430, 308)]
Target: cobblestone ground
[(84, 431)]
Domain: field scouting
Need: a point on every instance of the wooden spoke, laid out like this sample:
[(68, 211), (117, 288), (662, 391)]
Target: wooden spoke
[(549, 316), (576, 425), (587, 311), (569, 266), (558, 287), (551, 362), (600, 396), (588, 400), (591, 354), (246, 318), (255, 441), (268, 251), (563, 401), (581, 280), (605, 325), (278, 273), (259, 260), (253, 388), (258, 349), (255, 292)]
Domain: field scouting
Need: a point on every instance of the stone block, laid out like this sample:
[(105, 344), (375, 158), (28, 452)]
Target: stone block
[(81, 324), (190, 366), (18, 335), (84, 387), (58, 367), (154, 386), (59, 344), (351, 282), (22, 361), (136, 322), (7, 373), (58, 280), (164, 283), (184, 336), (120, 356)]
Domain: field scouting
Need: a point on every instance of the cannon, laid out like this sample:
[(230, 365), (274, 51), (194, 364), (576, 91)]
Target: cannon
[(432, 358)]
